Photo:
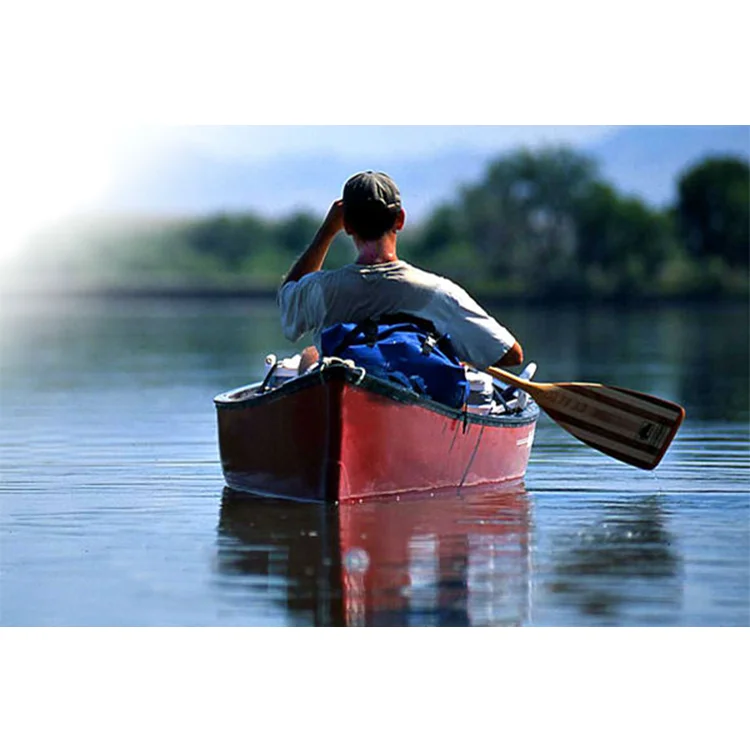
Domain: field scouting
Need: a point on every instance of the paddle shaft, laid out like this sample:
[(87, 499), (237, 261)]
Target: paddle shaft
[(630, 426)]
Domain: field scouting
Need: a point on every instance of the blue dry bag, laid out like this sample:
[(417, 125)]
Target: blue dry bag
[(401, 349)]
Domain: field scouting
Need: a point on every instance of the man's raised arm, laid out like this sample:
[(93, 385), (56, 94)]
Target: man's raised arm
[(312, 259)]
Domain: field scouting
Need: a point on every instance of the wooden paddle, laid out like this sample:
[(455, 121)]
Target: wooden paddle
[(630, 426)]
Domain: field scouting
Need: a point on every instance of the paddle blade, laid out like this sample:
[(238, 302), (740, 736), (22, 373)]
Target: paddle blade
[(632, 427)]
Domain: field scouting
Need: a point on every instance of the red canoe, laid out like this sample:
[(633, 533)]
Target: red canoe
[(338, 435)]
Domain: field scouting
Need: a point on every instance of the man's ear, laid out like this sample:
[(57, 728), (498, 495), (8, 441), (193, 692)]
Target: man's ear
[(348, 228), (400, 221)]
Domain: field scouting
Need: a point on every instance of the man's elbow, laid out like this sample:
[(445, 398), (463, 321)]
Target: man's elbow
[(514, 356)]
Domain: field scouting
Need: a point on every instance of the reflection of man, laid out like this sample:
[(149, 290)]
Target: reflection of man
[(378, 283)]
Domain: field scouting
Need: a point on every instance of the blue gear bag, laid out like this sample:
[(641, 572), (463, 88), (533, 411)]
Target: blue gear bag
[(406, 351)]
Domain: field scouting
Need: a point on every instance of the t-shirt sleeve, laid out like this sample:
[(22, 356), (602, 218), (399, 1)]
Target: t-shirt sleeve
[(476, 336), (301, 305)]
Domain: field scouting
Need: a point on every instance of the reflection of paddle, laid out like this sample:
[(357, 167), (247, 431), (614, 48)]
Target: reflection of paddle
[(630, 426)]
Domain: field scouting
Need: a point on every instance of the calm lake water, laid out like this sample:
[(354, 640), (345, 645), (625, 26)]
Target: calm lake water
[(114, 511)]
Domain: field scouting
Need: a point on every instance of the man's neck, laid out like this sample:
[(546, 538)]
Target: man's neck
[(382, 250)]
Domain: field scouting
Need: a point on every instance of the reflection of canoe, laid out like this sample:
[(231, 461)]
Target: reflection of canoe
[(336, 434), (443, 558)]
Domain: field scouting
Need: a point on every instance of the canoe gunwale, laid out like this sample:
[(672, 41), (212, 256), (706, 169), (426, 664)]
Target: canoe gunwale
[(340, 372)]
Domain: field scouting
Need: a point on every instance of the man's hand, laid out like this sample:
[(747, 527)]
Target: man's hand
[(334, 220), (514, 356)]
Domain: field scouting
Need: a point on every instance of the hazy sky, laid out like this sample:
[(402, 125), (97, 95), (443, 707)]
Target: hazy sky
[(253, 142), (56, 167)]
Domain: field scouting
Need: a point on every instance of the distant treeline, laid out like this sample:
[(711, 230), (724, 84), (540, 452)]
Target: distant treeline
[(539, 225)]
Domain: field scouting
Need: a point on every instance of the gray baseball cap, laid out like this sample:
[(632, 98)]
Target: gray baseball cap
[(366, 188)]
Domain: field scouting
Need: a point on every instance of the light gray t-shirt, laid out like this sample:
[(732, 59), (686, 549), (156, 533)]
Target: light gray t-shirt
[(354, 293)]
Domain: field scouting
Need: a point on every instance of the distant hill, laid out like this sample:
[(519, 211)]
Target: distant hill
[(644, 161)]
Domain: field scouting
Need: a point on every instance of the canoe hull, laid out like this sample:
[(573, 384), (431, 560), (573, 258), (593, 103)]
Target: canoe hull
[(330, 438)]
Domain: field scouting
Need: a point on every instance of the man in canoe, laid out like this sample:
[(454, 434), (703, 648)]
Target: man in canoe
[(378, 283)]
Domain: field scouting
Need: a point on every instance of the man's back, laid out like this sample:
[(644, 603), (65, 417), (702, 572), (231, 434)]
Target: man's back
[(355, 293)]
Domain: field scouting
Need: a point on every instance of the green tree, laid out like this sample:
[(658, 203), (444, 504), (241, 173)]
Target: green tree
[(623, 244), (293, 234), (231, 239), (713, 210), (513, 231), (441, 244), (522, 216), (544, 223)]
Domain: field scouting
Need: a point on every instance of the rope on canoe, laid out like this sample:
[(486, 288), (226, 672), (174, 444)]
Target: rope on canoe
[(327, 362)]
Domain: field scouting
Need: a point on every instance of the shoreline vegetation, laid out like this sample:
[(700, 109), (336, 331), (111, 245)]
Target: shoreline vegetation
[(540, 227)]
